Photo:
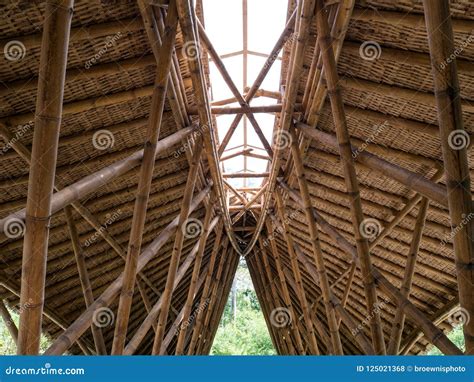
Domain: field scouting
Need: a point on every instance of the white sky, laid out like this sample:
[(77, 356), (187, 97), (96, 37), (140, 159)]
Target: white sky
[(224, 26)]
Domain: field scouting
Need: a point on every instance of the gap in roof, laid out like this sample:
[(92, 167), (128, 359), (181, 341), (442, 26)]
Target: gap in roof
[(225, 25)]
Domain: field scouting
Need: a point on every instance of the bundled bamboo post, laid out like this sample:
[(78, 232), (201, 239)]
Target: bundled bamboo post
[(178, 245), (451, 129), (9, 323), (399, 319), (194, 277), (75, 330), (284, 287), (284, 37), (84, 279), (52, 72), (316, 246), (144, 182), (433, 334), (280, 207), (207, 288)]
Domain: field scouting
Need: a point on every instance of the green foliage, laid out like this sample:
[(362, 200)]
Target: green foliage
[(456, 336)]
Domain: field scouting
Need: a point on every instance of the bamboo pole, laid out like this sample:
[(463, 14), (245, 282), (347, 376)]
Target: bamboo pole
[(144, 182), (84, 279), (206, 289), (249, 204), (178, 246), (260, 77), (316, 246), (284, 286), (352, 183), (399, 319), (9, 323), (94, 181), (246, 175), (297, 273), (53, 61), (74, 331), (194, 277), (433, 334), (451, 129), (410, 179)]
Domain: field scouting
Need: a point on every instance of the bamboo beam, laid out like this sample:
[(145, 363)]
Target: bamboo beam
[(206, 289), (9, 323), (352, 183), (260, 77), (178, 246), (448, 100), (244, 106), (236, 154), (246, 175), (102, 177), (144, 182), (53, 61), (249, 204), (399, 319), (74, 331), (410, 179), (84, 279), (194, 277), (312, 340), (336, 346), (284, 286), (434, 335)]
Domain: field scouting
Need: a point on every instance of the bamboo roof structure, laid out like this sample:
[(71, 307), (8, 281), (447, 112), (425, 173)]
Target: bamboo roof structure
[(121, 228)]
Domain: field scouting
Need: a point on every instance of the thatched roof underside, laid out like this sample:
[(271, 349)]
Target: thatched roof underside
[(395, 91)]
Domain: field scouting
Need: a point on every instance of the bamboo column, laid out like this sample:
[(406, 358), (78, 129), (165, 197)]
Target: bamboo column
[(206, 289), (144, 182), (280, 207), (352, 184), (399, 319), (194, 277), (451, 129), (84, 279), (52, 72), (316, 246), (9, 323), (178, 245), (284, 287)]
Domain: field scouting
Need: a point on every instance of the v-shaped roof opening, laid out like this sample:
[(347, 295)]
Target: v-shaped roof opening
[(243, 39)]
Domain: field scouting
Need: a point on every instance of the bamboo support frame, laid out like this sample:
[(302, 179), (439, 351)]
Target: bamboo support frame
[(399, 319), (52, 72), (352, 183), (458, 183)]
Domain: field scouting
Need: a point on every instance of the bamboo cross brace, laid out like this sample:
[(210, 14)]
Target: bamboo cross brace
[(399, 319)]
